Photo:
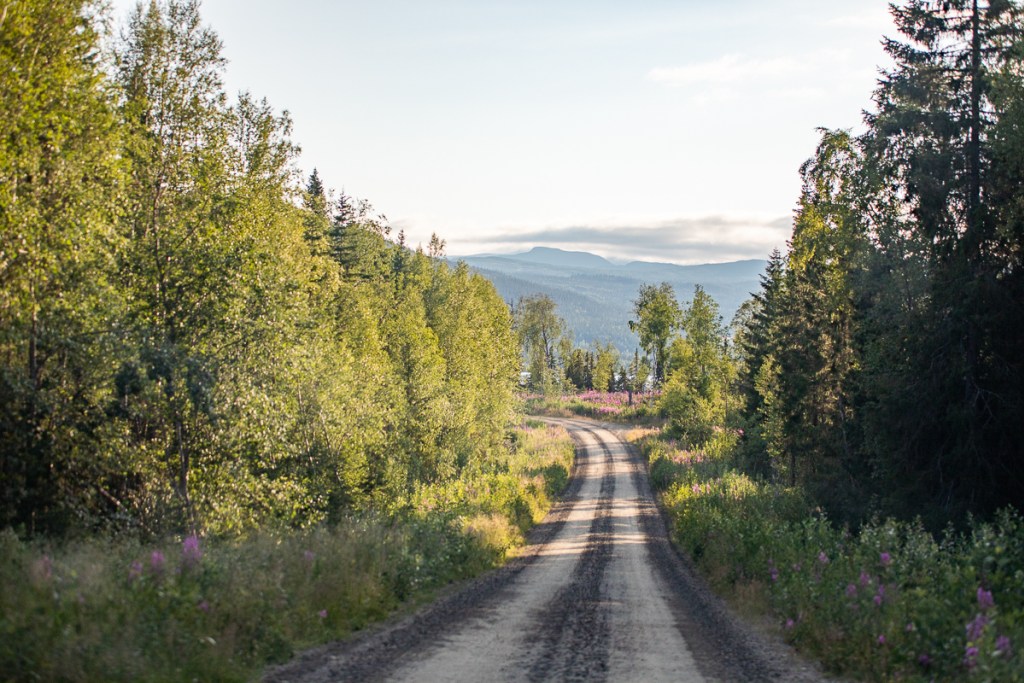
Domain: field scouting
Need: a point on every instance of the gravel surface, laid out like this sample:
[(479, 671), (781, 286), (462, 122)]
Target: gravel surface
[(599, 594)]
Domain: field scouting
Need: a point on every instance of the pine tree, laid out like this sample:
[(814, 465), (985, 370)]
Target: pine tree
[(944, 423)]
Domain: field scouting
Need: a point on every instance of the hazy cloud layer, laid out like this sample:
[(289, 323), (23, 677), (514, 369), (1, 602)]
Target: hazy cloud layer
[(714, 239), (802, 77), (727, 69)]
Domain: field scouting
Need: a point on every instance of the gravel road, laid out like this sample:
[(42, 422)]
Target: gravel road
[(599, 594)]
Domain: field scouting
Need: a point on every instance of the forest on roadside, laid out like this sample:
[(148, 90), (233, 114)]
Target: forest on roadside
[(880, 368), (194, 336), (883, 359), (845, 457)]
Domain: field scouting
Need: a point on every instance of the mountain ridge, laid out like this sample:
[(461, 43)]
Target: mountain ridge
[(595, 296)]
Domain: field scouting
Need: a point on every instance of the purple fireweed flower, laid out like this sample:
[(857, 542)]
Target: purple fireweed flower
[(910, 627), (985, 600), (885, 559), (865, 579), (322, 614), (797, 567), (970, 656), (851, 590), (822, 557), (878, 601), (191, 553), (157, 562), (774, 573), (881, 640), (976, 627), (790, 623), (1003, 646)]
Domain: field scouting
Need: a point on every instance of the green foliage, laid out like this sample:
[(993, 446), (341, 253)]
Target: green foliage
[(696, 396), (620, 406), (889, 602), (541, 334), (657, 317), (222, 608), (191, 339), (59, 305), (882, 361)]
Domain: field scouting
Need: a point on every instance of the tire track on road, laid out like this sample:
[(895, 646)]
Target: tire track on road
[(574, 629), (599, 594)]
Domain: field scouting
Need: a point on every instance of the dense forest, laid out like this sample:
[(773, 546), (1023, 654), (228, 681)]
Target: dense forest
[(194, 336), (883, 358), (880, 368)]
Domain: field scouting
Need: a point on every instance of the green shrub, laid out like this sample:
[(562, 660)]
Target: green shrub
[(890, 602), (221, 609)]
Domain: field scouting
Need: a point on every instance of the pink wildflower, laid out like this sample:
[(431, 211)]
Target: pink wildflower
[(976, 627), (322, 614), (881, 640), (985, 600), (970, 656), (885, 559), (851, 590), (865, 579), (822, 557), (1003, 646), (157, 562), (191, 553)]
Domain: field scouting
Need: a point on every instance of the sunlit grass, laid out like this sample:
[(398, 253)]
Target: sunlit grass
[(221, 609), (889, 602), (603, 405)]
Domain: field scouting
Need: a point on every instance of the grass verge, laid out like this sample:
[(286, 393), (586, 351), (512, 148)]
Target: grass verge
[(887, 602), (603, 405), (222, 609)]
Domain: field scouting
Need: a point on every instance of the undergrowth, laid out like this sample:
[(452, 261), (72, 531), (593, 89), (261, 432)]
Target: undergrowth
[(617, 406), (887, 602), (222, 608)]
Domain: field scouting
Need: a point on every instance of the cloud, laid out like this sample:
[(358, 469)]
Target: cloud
[(713, 239), (727, 69), (874, 18)]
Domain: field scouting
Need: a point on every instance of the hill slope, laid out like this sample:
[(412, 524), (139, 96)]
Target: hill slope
[(595, 296)]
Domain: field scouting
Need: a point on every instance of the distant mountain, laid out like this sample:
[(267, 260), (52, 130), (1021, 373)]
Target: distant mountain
[(595, 296)]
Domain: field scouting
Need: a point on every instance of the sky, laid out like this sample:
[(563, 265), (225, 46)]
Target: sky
[(662, 130)]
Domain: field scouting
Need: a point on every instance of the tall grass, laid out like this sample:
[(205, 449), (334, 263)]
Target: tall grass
[(604, 405), (221, 609), (888, 602)]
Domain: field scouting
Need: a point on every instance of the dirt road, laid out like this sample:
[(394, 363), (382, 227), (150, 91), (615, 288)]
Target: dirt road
[(598, 595)]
